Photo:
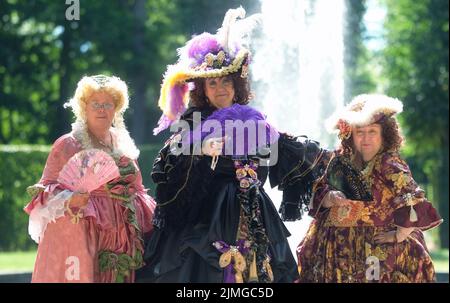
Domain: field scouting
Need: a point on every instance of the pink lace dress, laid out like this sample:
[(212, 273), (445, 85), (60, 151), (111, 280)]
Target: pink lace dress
[(106, 243)]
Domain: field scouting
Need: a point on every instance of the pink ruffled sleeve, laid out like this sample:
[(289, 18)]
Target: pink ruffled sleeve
[(62, 150), (145, 205)]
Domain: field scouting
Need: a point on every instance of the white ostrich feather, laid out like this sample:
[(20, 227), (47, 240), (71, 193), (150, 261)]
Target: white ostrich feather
[(234, 32)]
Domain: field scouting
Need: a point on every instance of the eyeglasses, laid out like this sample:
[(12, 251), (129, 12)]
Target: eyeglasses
[(97, 106)]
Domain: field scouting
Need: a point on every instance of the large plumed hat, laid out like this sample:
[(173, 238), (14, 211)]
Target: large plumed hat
[(206, 56)]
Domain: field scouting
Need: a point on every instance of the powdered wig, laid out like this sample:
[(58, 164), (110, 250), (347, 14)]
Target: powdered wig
[(119, 92), (88, 85)]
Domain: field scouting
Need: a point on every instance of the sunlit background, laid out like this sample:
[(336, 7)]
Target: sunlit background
[(309, 58)]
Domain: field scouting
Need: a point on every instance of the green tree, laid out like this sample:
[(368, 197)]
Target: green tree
[(28, 78), (358, 78), (416, 65), (43, 55)]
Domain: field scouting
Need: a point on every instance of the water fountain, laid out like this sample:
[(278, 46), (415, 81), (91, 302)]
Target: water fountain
[(298, 73)]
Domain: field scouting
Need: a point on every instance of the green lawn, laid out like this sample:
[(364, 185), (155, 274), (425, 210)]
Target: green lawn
[(440, 259), (24, 261), (17, 261)]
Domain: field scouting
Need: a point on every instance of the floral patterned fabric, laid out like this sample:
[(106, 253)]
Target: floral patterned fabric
[(339, 245)]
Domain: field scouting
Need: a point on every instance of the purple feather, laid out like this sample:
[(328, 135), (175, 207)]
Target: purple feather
[(163, 123), (199, 46), (221, 128), (176, 95), (175, 99)]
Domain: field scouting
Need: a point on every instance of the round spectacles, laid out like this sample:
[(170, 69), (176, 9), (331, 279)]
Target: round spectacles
[(98, 106)]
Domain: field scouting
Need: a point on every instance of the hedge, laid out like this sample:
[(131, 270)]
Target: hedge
[(21, 166)]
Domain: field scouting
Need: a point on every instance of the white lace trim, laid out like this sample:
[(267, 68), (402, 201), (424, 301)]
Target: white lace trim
[(41, 215), (54, 208), (124, 145)]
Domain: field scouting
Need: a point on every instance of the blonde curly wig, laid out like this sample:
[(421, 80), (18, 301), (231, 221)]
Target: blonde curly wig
[(114, 86), (119, 92)]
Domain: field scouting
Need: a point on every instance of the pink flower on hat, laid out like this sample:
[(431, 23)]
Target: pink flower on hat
[(345, 130)]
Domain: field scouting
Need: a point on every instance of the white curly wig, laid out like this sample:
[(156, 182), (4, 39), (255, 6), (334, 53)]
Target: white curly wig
[(118, 89), (90, 84)]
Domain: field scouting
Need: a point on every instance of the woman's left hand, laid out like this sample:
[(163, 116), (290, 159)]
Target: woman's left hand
[(385, 237)]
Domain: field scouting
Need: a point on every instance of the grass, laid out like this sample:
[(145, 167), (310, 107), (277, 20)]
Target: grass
[(17, 261), (440, 260), (24, 261)]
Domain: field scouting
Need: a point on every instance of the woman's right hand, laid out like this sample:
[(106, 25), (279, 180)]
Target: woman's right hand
[(213, 146), (79, 200), (333, 198)]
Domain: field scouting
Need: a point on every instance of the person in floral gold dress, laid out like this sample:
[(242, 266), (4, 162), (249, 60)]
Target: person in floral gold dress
[(380, 239), (96, 237)]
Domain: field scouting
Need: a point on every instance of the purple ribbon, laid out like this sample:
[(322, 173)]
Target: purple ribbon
[(229, 274)]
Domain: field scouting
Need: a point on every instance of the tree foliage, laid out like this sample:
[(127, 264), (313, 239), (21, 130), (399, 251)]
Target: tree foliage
[(416, 66), (43, 55)]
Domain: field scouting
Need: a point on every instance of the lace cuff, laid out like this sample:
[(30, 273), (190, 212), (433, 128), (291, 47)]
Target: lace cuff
[(42, 214)]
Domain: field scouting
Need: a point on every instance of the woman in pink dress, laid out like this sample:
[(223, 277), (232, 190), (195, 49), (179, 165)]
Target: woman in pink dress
[(96, 237)]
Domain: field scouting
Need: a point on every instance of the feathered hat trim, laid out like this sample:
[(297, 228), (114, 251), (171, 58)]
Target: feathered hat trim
[(206, 56), (363, 110)]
